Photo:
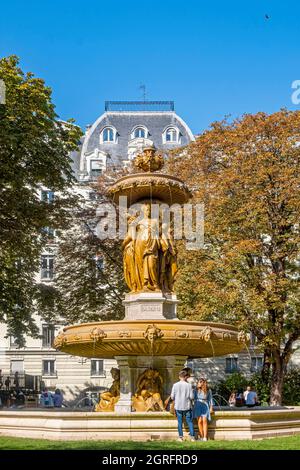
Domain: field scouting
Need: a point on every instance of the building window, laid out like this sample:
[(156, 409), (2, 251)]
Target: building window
[(17, 365), (253, 340), (47, 267), (99, 261), (231, 365), (139, 132), (96, 168), (49, 232), (108, 135), (171, 135), (49, 367), (47, 196), (13, 342), (92, 195), (256, 364), (97, 367), (48, 332)]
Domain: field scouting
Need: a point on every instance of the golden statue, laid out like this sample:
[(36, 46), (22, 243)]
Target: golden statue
[(129, 255), (147, 252), (111, 397), (168, 261), (149, 256), (149, 160), (148, 392)]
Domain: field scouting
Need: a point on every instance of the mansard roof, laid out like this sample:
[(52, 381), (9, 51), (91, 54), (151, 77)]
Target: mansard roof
[(156, 120)]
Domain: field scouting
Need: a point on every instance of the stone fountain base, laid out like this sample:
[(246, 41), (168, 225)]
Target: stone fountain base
[(227, 424)]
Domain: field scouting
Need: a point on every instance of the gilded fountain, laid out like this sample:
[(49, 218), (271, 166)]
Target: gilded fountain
[(150, 345)]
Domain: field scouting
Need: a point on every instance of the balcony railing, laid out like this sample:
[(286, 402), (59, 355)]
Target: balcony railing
[(100, 373), (231, 370), (52, 373), (26, 381), (139, 105)]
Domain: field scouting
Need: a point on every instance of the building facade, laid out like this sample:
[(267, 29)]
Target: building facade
[(114, 139)]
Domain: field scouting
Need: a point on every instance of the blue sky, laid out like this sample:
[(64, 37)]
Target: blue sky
[(213, 58)]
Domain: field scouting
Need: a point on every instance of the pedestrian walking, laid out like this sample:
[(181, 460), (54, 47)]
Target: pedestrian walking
[(182, 394)]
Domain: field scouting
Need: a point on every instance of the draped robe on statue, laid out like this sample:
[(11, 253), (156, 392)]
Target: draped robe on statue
[(147, 254)]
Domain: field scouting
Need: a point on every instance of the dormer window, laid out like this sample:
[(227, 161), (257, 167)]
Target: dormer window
[(96, 168), (171, 135), (139, 132), (108, 135)]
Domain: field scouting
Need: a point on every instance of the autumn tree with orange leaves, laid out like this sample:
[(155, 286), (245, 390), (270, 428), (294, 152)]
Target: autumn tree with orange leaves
[(247, 174)]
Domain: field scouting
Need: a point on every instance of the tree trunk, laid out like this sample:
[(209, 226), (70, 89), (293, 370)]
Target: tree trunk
[(265, 372), (278, 373)]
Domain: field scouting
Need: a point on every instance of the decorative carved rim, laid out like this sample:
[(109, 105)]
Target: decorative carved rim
[(168, 337)]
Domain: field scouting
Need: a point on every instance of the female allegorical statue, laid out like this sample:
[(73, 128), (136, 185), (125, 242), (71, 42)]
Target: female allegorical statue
[(149, 256)]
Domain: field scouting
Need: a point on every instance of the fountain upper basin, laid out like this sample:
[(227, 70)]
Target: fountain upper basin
[(150, 337), (137, 186)]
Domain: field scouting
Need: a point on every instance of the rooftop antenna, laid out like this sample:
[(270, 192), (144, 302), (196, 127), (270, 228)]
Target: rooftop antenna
[(142, 87)]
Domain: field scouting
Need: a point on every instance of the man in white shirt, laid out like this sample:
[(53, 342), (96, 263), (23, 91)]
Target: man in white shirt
[(182, 393), (250, 397)]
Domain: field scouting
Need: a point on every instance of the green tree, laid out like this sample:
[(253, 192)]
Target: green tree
[(89, 272), (247, 174), (34, 152)]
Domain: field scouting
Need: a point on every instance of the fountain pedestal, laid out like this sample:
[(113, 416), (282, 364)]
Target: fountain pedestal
[(131, 367), (153, 305)]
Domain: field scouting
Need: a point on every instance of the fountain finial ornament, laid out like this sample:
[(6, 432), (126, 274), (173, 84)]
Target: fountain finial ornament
[(149, 160)]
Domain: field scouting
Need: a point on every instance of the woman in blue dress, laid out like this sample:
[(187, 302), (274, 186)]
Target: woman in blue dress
[(202, 407)]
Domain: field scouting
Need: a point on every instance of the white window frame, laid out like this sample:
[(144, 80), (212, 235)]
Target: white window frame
[(165, 132), (100, 167), (48, 270), (114, 131), (232, 360), (98, 372), (140, 126), (49, 195), (256, 367), (47, 373), (13, 344), (50, 233), (49, 327), (20, 371)]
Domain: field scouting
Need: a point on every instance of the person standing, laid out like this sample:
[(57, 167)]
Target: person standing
[(182, 394), (250, 397), (57, 398), (46, 399), (7, 383), (202, 407), (16, 380), (232, 398)]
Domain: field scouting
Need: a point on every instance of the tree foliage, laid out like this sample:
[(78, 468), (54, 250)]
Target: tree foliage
[(34, 152), (89, 282), (247, 174)]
